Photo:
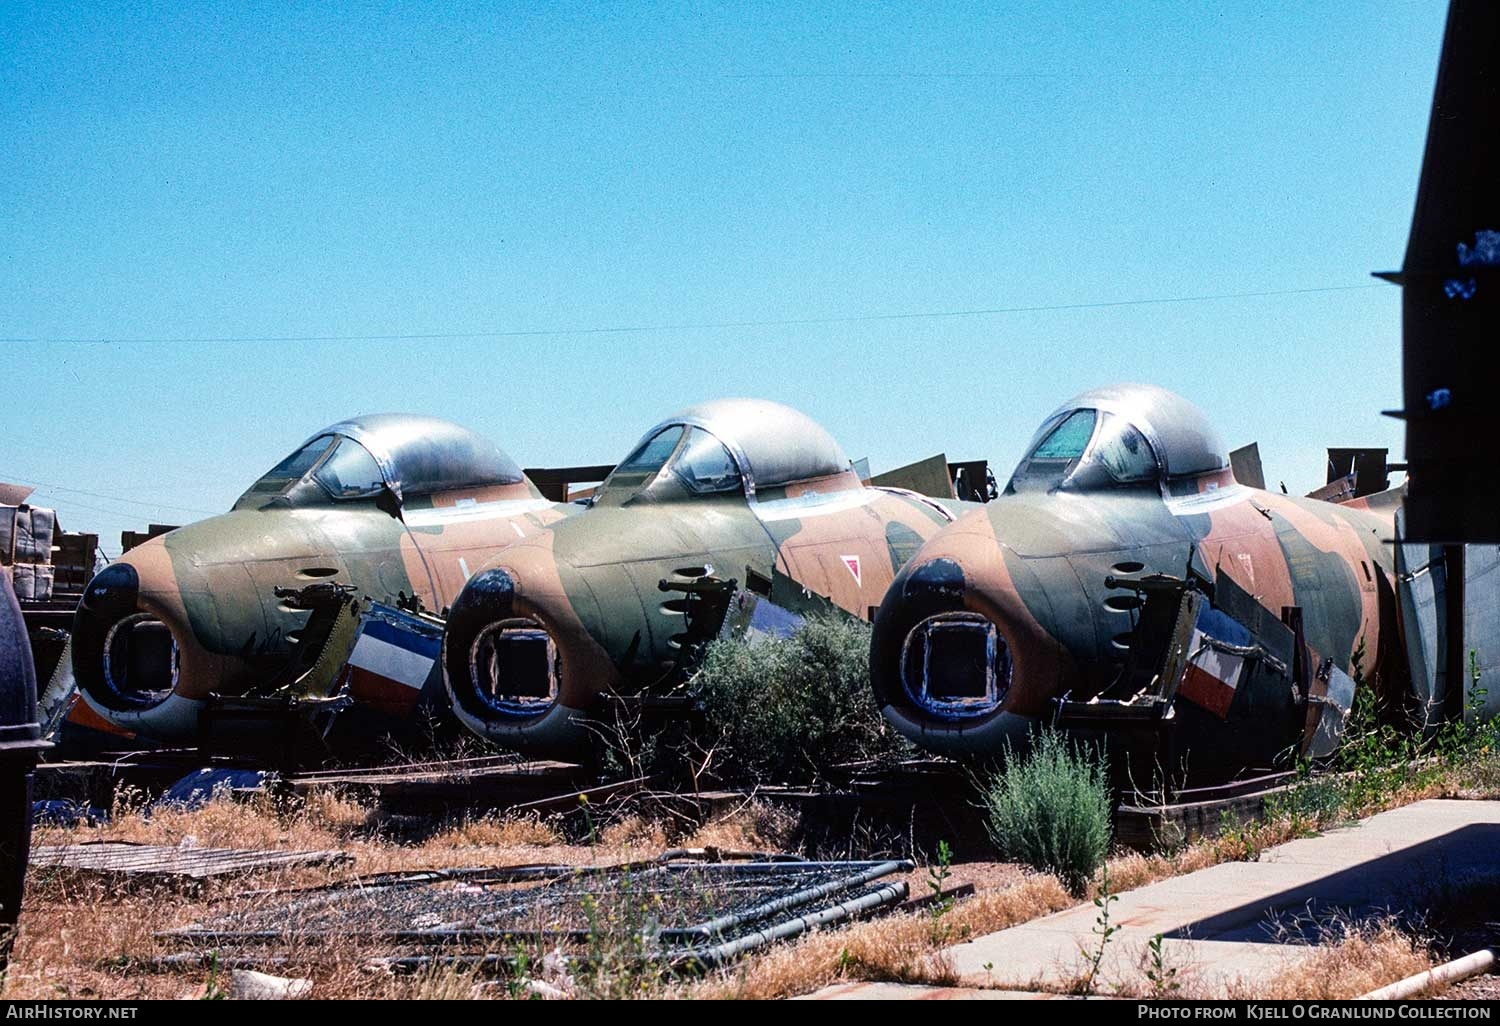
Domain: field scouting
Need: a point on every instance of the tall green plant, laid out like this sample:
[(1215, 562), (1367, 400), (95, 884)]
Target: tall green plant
[(1050, 808)]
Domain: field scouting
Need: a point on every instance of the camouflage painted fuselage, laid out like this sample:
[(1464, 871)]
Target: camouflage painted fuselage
[(1034, 563), (589, 593), (213, 587)]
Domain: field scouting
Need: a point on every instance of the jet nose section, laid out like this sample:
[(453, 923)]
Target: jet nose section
[(520, 667), (125, 656), (936, 655), (132, 642), (957, 662)]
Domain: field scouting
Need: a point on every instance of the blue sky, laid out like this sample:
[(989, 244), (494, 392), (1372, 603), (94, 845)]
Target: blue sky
[(292, 171)]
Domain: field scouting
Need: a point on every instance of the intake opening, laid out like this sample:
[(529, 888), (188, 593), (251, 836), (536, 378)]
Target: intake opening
[(141, 660), (514, 667), (955, 665)]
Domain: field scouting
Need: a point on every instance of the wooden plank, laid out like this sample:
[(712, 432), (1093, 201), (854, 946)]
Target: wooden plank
[(1149, 827), (435, 788), (124, 858), (444, 771)]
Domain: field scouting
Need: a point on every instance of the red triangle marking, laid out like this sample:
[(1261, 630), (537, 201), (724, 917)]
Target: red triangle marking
[(852, 562)]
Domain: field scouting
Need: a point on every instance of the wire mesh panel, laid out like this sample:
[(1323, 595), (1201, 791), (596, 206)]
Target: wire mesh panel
[(673, 911)]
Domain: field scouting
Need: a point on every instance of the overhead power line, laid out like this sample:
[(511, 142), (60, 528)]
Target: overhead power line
[(439, 336), (118, 516), (110, 498)]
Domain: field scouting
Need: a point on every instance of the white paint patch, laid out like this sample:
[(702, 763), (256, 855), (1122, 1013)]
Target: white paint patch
[(438, 516), (391, 661), (1247, 567), (463, 564), (1208, 502), (814, 504)]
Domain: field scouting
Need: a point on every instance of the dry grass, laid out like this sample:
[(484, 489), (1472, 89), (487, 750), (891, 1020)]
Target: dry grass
[(81, 938), (897, 948), (635, 831), (496, 831), (905, 948), (1358, 959), (754, 826)]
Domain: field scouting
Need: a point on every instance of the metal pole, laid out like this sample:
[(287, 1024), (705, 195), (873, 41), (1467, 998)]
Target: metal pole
[(1455, 661)]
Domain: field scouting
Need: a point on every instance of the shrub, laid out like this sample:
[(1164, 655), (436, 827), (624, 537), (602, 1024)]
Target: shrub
[(1050, 808), (787, 709)]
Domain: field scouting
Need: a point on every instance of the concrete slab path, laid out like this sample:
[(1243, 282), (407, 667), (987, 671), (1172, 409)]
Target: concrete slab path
[(1231, 926)]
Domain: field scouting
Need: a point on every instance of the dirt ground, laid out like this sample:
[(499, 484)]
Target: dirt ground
[(83, 936), (1480, 988)]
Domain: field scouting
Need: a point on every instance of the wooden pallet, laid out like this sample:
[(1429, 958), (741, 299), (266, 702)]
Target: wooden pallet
[(493, 767), (94, 782)]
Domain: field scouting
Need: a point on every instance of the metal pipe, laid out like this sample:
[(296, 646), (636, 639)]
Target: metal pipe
[(700, 959), (435, 937), (1438, 976), (752, 868), (708, 958), (707, 930)]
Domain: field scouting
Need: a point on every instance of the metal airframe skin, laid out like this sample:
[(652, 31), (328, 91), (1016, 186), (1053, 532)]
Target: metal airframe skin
[(733, 490), (397, 507), (1029, 571)]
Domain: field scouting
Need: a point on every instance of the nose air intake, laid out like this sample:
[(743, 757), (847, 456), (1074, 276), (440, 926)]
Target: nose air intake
[(513, 668), (141, 660), (124, 659), (128, 661), (502, 668), (955, 665)]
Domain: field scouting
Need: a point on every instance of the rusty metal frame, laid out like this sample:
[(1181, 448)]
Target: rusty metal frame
[(756, 899)]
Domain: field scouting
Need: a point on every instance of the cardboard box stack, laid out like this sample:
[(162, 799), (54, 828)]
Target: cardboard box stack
[(73, 563), (26, 534)]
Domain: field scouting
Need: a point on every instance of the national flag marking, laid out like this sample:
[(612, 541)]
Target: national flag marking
[(1210, 679)]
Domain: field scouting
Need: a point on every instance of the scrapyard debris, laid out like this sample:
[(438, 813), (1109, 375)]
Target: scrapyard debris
[(155, 862), (203, 785), (63, 812), (249, 985), (450, 785), (680, 911)]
